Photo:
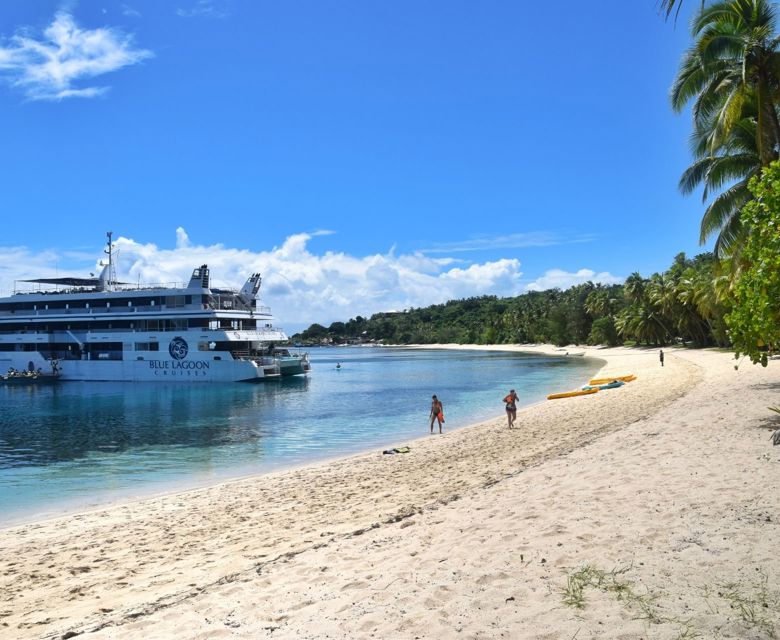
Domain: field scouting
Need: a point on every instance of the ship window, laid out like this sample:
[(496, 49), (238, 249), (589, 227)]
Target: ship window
[(177, 324), (147, 346), (173, 302), (203, 346)]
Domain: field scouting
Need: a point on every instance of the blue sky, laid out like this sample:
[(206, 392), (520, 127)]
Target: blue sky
[(364, 155)]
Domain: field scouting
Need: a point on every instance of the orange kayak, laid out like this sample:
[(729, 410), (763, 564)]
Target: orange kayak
[(628, 378), (571, 394)]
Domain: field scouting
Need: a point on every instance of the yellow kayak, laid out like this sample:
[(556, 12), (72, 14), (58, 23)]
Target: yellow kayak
[(569, 394), (628, 378)]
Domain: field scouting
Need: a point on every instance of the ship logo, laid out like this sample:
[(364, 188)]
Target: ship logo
[(178, 348)]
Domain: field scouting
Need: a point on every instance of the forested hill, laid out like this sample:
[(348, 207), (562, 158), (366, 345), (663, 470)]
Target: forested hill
[(679, 304)]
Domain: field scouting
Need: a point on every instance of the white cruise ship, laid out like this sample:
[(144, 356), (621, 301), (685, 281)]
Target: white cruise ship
[(100, 329)]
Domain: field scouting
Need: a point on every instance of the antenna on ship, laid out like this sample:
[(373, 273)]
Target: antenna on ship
[(111, 269)]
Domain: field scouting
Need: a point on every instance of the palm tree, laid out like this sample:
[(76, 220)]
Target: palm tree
[(696, 294), (598, 303), (732, 75), (634, 288), (643, 323), (732, 166), (662, 294), (733, 67)]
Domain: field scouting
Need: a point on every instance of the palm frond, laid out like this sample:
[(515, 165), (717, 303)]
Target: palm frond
[(694, 175), (731, 239), (690, 80), (723, 210), (726, 169)]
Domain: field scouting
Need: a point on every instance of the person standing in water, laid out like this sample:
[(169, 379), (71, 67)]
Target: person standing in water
[(661, 357), (511, 407), (437, 412)]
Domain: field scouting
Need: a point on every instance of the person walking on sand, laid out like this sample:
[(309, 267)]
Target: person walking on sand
[(661, 357), (437, 412), (511, 407)]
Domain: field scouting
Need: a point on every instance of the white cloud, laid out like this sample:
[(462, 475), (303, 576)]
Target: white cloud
[(182, 239), (508, 241), (130, 12), (206, 9), (559, 279), (47, 68), (301, 286)]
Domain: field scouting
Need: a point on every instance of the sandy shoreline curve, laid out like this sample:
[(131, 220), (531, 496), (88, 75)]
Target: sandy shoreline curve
[(651, 497)]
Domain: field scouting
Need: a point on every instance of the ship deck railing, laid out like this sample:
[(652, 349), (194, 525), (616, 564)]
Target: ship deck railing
[(39, 291), (270, 334), (246, 355), (87, 311)]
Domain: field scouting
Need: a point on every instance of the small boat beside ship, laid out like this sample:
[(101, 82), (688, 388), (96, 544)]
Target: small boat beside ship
[(291, 364), (27, 378)]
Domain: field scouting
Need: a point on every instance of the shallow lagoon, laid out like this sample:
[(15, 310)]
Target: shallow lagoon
[(76, 445)]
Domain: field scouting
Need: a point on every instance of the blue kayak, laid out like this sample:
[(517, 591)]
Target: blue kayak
[(610, 385)]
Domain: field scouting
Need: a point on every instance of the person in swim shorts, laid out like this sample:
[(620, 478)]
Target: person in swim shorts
[(511, 407)]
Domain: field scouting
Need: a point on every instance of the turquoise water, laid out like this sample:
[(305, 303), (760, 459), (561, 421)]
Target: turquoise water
[(76, 445)]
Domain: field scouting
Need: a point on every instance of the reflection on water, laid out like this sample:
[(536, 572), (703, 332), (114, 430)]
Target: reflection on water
[(74, 444), (56, 423)]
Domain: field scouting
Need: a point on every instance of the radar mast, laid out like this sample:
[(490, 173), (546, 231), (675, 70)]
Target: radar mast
[(111, 269)]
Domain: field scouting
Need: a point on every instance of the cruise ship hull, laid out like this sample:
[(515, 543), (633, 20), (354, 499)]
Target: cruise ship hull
[(191, 370)]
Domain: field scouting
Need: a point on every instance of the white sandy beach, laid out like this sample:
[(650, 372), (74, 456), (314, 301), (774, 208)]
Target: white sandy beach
[(660, 499)]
